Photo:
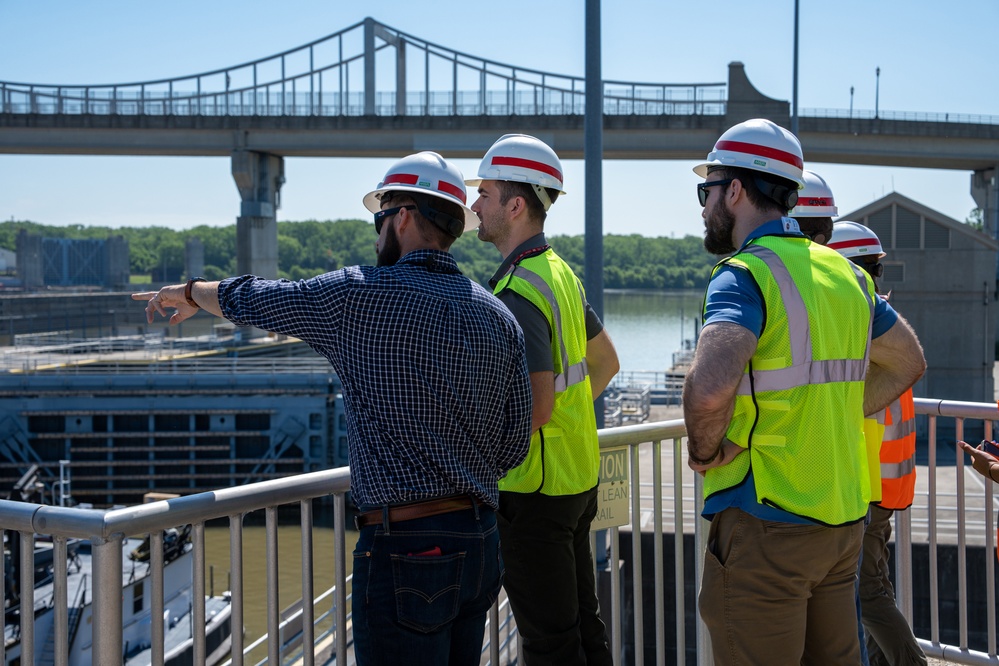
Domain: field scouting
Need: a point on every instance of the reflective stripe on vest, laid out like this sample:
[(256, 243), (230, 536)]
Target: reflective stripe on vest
[(571, 374), (898, 454), (803, 370)]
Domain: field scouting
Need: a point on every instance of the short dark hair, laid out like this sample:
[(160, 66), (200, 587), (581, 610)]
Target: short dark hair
[(749, 178), (509, 189), (432, 232), (816, 226)]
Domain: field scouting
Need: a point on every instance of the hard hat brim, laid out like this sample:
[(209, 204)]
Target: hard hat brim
[(475, 182)]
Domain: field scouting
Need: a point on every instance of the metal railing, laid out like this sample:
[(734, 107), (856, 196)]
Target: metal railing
[(655, 503)]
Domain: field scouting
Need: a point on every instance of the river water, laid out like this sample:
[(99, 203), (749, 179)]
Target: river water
[(646, 327)]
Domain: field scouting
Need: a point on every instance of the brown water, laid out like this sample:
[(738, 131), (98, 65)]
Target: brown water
[(289, 567)]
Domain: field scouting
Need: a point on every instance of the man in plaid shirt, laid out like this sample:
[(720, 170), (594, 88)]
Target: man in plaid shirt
[(438, 405)]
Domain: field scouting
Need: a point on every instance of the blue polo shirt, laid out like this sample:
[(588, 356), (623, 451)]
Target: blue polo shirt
[(733, 296)]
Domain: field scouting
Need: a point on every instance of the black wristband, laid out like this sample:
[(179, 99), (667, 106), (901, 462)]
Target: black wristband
[(187, 292)]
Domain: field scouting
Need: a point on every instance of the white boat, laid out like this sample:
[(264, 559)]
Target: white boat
[(136, 602)]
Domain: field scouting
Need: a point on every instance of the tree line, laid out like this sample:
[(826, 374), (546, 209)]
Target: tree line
[(309, 248)]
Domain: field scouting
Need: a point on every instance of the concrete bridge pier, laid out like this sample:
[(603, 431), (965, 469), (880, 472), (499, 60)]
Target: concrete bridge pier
[(259, 177), (985, 192)]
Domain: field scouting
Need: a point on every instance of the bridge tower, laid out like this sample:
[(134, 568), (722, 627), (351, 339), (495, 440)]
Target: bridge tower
[(259, 177)]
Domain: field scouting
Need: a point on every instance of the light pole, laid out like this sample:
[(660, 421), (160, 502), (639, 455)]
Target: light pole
[(877, 90), (794, 93), (851, 102)]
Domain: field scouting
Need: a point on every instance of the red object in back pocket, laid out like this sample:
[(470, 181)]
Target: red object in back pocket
[(433, 552)]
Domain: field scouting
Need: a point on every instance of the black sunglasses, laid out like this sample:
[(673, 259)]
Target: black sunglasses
[(388, 212), (702, 189), (875, 269)]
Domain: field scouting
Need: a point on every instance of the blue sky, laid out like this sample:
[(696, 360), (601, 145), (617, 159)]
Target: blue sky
[(934, 57)]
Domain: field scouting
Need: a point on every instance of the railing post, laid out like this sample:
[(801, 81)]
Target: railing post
[(636, 554), (308, 593), (273, 605), (107, 598), (236, 585), (157, 563), (60, 598), (198, 591), (27, 585), (340, 573)]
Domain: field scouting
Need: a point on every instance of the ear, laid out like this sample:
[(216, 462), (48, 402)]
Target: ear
[(517, 205), (734, 191), (403, 220)]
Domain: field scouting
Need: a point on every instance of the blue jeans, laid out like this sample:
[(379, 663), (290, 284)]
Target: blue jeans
[(422, 589)]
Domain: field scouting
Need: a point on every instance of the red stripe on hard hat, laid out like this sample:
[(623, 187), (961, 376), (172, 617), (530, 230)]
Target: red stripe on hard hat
[(816, 201), (401, 178), (413, 179), (528, 164), (454, 191), (762, 151), (841, 245)]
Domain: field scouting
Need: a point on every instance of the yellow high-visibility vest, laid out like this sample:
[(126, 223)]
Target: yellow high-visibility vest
[(799, 407), (564, 457)]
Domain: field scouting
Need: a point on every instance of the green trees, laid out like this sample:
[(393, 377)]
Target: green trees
[(310, 248)]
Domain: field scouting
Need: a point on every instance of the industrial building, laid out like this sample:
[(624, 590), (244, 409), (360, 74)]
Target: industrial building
[(941, 274)]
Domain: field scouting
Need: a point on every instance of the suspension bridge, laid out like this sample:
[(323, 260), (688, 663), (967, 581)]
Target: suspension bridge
[(371, 90)]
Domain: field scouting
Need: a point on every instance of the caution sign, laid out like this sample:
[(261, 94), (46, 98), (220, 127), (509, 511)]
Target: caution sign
[(613, 492)]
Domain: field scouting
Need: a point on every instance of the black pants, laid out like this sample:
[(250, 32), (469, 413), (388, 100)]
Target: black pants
[(549, 577)]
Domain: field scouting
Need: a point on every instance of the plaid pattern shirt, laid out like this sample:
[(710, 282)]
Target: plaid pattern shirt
[(434, 377)]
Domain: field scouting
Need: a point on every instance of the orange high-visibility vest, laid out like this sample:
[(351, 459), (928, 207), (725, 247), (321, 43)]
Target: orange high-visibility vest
[(898, 454)]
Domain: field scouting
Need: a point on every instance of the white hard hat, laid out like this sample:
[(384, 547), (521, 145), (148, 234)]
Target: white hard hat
[(852, 239), (815, 199), (759, 145), (524, 159), (424, 173)]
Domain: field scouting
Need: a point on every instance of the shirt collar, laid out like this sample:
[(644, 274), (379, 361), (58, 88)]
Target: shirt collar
[(784, 226), (438, 260), (538, 240)]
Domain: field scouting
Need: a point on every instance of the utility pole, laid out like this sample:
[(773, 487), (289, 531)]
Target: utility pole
[(593, 154), (794, 91), (851, 102)]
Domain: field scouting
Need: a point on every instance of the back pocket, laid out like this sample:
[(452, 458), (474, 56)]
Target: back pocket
[(427, 590)]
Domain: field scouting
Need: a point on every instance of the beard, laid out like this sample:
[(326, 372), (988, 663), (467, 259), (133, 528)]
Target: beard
[(391, 251), (719, 226)]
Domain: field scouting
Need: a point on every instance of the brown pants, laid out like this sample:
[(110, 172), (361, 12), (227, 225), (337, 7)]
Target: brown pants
[(780, 594), (889, 637)]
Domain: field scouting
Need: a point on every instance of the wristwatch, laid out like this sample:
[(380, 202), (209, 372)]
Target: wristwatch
[(187, 292)]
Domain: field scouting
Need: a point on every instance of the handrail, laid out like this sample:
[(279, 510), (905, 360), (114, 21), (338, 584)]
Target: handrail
[(105, 529)]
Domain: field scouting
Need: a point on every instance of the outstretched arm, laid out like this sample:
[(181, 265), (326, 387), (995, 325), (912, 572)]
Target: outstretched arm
[(205, 294)]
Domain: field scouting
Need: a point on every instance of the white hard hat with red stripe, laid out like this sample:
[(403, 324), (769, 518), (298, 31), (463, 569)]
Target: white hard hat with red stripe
[(525, 159), (759, 145), (852, 239), (425, 173), (815, 199)]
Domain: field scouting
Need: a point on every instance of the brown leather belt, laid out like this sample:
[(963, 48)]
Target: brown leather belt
[(402, 512)]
